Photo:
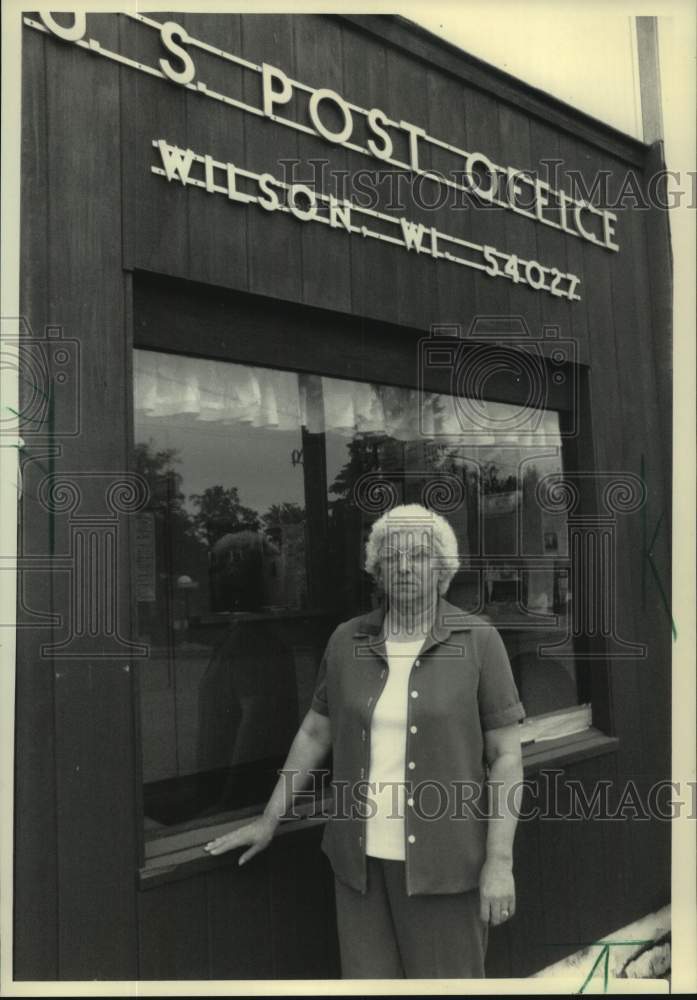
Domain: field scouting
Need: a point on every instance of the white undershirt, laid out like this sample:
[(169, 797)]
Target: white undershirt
[(388, 739)]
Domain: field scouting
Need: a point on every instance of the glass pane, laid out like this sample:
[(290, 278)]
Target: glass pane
[(513, 552), (525, 555), (263, 487), (221, 576)]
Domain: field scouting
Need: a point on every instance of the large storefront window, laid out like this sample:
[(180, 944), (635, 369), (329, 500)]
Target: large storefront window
[(263, 486)]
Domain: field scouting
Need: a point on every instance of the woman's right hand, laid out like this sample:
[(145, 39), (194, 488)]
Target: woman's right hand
[(258, 834)]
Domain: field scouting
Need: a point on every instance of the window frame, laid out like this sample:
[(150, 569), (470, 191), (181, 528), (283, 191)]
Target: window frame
[(292, 336)]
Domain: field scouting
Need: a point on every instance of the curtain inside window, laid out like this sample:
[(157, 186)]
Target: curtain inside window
[(169, 385)]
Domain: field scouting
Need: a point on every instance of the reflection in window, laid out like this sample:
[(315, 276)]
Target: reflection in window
[(251, 548)]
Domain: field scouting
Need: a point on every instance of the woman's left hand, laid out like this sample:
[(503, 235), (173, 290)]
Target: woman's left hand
[(496, 891)]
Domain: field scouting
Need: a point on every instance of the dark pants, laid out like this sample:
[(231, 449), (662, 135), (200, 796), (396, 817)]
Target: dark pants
[(386, 934)]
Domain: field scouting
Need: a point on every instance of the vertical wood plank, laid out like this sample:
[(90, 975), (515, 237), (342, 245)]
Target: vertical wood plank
[(274, 238), (487, 224), (498, 953), (303, 919), (632, 414), (173, 931), (96, 822), (528, 952), (217, 241), (35, 849), (239, 920), (129, 577), (520, 232), (602, 275), (331, 957), (578, 322), (326, 253), (590, 856), (619, 878), (561, 932), (553, 246), (447, 121), (155, 234), (646, 452), (372, 263), (411, 275), (654, 240), (601, 323), (96, 827), (642, 617)]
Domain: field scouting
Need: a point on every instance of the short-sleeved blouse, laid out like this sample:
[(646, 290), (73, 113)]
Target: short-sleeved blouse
[(461, 685)]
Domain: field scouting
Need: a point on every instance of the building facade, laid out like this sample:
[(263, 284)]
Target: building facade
[(277, 274)]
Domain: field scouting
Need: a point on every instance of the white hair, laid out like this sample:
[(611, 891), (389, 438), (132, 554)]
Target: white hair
[(413, 516)]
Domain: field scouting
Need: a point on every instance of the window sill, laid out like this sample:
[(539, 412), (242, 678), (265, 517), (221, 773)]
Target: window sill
[(567, 750), (226, 618), (181, 855)]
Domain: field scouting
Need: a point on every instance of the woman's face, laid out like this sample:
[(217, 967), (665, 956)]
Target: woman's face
[(409, 566)]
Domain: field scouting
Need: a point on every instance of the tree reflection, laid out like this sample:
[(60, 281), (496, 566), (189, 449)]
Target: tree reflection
[(220, 512), (243, 560)]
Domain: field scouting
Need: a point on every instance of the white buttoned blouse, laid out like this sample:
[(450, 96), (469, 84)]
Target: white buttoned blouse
[(388, 739)]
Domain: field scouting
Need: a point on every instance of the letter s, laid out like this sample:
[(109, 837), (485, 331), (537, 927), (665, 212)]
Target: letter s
[(270, 202), (376, 119), (170, 33)]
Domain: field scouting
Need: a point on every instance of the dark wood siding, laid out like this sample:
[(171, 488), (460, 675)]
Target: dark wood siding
[(88, 822), (272, 919), (92, 213), (35, 856), (326, 262)]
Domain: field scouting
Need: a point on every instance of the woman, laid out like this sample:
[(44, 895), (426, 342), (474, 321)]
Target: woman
[(415, 700)]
